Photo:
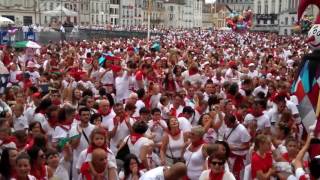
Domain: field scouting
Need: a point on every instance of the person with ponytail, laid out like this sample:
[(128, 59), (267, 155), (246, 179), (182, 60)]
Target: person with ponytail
[(172, 143), (195, 155), (217, 171)]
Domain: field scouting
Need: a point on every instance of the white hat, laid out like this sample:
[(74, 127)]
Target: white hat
[(32, 65), (251, 64)]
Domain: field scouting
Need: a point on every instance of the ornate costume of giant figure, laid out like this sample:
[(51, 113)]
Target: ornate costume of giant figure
[(307, 83)]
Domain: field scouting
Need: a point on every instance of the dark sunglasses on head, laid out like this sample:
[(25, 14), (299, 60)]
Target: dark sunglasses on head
[(217, 163)]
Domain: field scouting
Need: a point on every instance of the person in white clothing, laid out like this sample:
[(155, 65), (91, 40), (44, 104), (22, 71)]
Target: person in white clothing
[(119, 127), (238, 139), (217, 170), (195, 154), (157, 126), (83, 130), (176, 171), (121, 83), (138, 144)]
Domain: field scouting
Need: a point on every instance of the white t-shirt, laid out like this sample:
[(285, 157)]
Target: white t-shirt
[(107, 78), (157, 129), (74, 131), (184, 124), (59, 133), (20, 123), (262, 121), (122, 87), (226, 176), (136, 148), (237, 137), (260, 89), (153, 174), (139, 105), (120, 134)]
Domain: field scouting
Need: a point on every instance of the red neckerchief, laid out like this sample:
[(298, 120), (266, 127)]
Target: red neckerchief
[(176, 133), (8, 140), (256, 112), (85, 171), (286, 157), (193, 71), (66, 125), (53, 122), (197, 143), (39, 172), (173, 111), (104, 114), (134, 137), (56, 102), (215, 176)]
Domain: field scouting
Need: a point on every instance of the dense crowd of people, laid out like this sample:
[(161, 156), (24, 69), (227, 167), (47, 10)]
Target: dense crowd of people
[(207, 105)]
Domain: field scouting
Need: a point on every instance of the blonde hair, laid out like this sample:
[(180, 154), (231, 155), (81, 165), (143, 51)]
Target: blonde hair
[(260, 139), (198, 130)]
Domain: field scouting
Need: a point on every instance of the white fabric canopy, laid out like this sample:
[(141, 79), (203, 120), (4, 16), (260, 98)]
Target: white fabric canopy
[(58, 11), (5, 21)]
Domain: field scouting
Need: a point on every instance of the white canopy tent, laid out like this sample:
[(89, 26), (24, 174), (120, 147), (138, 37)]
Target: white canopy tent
[(60, 11), (5, 21)]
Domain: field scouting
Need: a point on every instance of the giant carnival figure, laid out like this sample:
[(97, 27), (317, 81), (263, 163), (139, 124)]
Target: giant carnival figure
[(307, 83)]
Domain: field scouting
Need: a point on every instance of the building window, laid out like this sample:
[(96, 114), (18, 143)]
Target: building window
[(292, 20), (27, 20), (266, 7), (265, 21), (273, 7), (285, 32), (280, 2), (286, 21), (259, 7)]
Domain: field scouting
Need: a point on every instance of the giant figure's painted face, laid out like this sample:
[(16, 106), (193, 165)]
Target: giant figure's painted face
[(314, 37)]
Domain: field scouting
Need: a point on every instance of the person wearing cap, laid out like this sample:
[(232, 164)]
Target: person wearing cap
[(252, 71)]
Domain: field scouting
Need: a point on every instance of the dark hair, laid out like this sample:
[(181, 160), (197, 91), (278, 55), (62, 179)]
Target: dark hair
[(51, 152), (33, 153), (314, 167), (130, 107), (87, 92), (40, 141), (155, 110), (219, 156), (51, 109), (44, 105), (226, 146), (94, 117), (230, 117), (126, 165), (144, 110), (141, 92), (140, 127), (64, 113), (33, 124), (83, 109), (188, 110), (23, 155), (5, 168)]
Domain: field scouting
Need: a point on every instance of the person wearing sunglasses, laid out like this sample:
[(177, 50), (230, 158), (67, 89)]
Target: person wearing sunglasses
[(217, 171)]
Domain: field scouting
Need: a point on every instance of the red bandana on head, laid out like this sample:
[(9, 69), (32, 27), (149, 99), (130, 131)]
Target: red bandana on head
[(257, 112), (85, 170)]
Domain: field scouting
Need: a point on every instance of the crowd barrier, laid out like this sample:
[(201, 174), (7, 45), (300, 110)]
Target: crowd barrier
[(56, 36)]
